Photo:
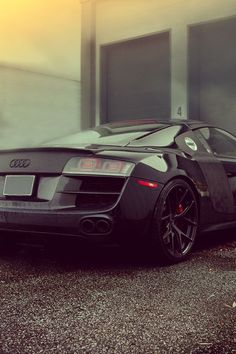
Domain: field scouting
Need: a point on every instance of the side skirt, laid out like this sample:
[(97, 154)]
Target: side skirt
[(218, 227)]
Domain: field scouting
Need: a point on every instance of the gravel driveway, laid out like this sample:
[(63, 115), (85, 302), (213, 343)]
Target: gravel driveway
[(105, 300)]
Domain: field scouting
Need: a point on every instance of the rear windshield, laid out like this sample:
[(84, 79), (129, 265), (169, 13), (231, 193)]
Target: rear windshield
[(110, 134), (164, 137)]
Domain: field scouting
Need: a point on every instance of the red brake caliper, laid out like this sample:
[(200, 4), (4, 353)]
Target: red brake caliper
[(179, 209)]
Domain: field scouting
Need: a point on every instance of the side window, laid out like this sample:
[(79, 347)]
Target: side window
[(220, 141)]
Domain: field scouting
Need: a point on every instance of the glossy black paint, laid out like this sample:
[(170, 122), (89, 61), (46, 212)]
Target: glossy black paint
[(60, 206)]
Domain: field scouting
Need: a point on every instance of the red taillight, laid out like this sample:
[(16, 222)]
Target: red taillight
[(98, 166), (88, 164), (114, 166), (147, 183)]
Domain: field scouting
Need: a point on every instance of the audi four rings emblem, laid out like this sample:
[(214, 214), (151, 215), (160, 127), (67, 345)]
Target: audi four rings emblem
[(20, 163)]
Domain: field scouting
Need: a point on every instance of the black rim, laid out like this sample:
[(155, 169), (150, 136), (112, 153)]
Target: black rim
[(179, 221)]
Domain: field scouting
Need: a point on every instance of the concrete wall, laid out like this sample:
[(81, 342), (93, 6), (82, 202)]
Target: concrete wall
[(35, 107), (41, 35), (118, 20), (39, 70)]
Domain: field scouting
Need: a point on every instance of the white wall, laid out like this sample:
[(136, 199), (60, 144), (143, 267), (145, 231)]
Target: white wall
[(35, 107), (122, 19), (39, 70), (41, 35)]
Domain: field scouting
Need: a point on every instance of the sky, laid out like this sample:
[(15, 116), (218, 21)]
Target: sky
[(42, 35)]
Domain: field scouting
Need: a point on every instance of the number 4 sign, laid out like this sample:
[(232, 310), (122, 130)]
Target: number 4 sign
[(179, 111)]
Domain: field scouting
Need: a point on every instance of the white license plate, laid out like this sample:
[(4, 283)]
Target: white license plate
[(19, 185)]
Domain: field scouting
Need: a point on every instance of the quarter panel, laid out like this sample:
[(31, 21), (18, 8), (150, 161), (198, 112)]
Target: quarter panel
[(135, 210)]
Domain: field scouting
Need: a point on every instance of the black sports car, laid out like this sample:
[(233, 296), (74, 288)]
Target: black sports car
[(127, 182)]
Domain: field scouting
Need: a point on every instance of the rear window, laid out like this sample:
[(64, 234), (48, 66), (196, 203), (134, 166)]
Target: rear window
[(108, 134), (162, 138)]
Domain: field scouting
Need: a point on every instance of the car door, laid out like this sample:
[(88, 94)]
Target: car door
[(223, 145)]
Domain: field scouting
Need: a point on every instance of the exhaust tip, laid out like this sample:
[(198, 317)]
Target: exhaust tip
[(103, 226), (87, 226)]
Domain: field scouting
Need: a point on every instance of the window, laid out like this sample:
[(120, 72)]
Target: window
[(220, 141), (111, 134), (163, 137)]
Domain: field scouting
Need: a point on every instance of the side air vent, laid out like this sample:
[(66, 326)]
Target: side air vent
[(102, 184), (99, 193)]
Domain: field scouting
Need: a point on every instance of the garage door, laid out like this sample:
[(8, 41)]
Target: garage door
[(135, 79), (212, 73)]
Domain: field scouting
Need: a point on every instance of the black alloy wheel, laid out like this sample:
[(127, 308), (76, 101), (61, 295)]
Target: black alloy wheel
[(175, 221)]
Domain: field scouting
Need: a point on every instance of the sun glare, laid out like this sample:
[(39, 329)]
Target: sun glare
[(36, 32)]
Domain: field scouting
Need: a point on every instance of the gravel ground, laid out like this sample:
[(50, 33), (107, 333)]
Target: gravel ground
[(105, 300)]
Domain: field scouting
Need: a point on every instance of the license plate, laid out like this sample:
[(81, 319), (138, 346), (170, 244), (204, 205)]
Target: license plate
[(18, 185)]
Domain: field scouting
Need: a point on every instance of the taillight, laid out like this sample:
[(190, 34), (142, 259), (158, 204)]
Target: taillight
[(98, 166)]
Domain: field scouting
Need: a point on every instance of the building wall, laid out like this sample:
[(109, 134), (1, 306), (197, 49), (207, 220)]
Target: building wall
[(41, 35), (39, 70), (120, 20), (35, 107)]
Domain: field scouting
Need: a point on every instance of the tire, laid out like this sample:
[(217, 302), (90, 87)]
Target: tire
[(175, 222)]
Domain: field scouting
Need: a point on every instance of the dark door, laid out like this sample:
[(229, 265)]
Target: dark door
[(212, 74), (135, 79)]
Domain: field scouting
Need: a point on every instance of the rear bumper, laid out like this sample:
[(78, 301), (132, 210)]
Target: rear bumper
[(129, 220), (92, 227)]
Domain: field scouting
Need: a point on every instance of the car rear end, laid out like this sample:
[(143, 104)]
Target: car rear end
[(74, 192)]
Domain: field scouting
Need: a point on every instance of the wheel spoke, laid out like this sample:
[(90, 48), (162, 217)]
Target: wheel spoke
[(181, 233), (172, 242), (179, 240), (166, 236), (189, 221), (165, 217), (183, 196)]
